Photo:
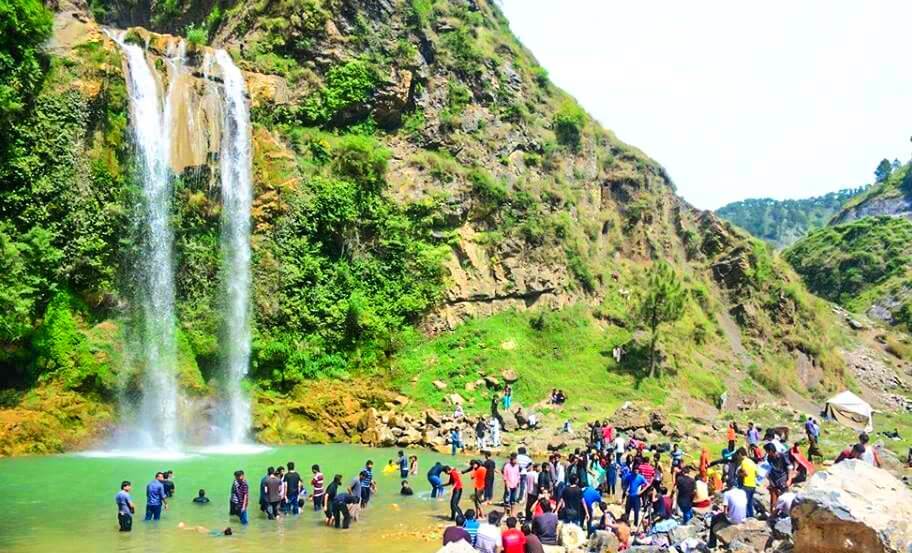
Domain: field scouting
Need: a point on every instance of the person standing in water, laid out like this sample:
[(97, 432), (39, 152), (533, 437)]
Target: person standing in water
[(434, 480), (273, 491), (456, 482), (403, 465), (368, 486), (168, 483), (318, 490), (201, 499), (240, 497), (293, 486), (125, 507), (155, 497)]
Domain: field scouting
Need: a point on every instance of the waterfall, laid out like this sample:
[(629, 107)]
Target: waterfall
[(155, 267), (234, 166)]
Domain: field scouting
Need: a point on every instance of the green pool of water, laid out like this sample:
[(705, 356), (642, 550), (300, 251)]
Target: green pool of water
[(65, 503)]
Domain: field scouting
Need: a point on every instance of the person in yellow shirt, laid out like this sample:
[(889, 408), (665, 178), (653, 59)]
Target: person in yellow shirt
[(747, 474)]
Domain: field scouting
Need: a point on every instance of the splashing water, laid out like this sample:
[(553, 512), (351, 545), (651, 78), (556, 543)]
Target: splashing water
[(235, 241)]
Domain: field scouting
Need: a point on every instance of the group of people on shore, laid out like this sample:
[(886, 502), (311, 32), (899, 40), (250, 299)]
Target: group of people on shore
[(656, 486)]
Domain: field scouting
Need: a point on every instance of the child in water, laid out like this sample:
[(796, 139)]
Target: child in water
[(406, 489)]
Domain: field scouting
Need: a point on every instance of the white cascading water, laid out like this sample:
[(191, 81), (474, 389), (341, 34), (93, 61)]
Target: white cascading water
[(234, 165), (155, 278)]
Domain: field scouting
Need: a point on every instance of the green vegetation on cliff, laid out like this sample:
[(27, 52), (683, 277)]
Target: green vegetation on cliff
[(859, 263)]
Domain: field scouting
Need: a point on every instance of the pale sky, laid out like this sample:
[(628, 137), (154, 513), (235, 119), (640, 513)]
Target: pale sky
[(737, 99)]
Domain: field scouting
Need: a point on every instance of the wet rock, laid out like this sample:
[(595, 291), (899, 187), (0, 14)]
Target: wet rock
[(683, 532), (853, 506)]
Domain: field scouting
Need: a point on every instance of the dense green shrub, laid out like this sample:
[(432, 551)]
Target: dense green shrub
[(568, 125), (347, 87), (24, 27)]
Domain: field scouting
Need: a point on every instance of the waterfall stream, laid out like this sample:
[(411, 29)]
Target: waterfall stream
[(234, 164), (168, 138), (155, 268)]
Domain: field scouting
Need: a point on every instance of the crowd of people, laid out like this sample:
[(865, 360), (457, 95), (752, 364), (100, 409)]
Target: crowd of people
[(653, 487)]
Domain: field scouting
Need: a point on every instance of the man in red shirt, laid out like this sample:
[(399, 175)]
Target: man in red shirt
[(479, 476), (514, 541), (456, 482)]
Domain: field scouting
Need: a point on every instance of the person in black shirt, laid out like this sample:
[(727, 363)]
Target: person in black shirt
[(571, 503), (201, 499), (684, 491), (340, 512), (406, 489), (331, 491), (490, 471), (293, 485), (168, 483)]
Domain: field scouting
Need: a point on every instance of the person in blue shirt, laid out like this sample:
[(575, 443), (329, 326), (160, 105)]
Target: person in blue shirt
[(471, 525), (591, 496), (433, 477), (155, 497), (367, 483), (125, 507), (403, 465), (634, 487), (611, 476)]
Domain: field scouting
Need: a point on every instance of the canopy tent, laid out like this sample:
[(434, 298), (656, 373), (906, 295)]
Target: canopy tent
[(850, 410)]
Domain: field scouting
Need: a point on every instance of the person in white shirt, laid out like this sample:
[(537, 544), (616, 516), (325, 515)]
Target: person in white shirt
[(489, 539), (619, 447), (870, 455), (524, 462), (735, 504), (784, 504), (494, 426)]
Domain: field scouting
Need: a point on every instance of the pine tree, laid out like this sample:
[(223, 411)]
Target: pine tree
[(662, 302), (883, 170)]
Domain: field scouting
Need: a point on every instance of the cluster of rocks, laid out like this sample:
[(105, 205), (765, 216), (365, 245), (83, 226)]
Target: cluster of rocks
[(868, 368), (649, 426), (431, 429)]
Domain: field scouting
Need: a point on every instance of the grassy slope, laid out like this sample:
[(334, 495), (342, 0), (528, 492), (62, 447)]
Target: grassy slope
[(855, 263)]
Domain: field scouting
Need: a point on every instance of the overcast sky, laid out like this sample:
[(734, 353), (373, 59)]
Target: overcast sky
[(737, 99)]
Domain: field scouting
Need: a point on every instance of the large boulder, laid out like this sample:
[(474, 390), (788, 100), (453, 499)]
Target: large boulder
[(853, 506), (629, 417)]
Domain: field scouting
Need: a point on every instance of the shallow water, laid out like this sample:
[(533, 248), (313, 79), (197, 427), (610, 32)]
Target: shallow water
[(65, 503)]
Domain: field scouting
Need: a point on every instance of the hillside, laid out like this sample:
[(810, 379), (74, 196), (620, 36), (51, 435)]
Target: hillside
[(782, 222), (862, 260), (891, 197), (427, 206)]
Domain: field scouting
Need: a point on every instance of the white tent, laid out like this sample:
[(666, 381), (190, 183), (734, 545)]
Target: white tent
[(850, 410)]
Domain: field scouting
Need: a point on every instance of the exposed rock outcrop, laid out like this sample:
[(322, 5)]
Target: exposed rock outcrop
[(853, 507)]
